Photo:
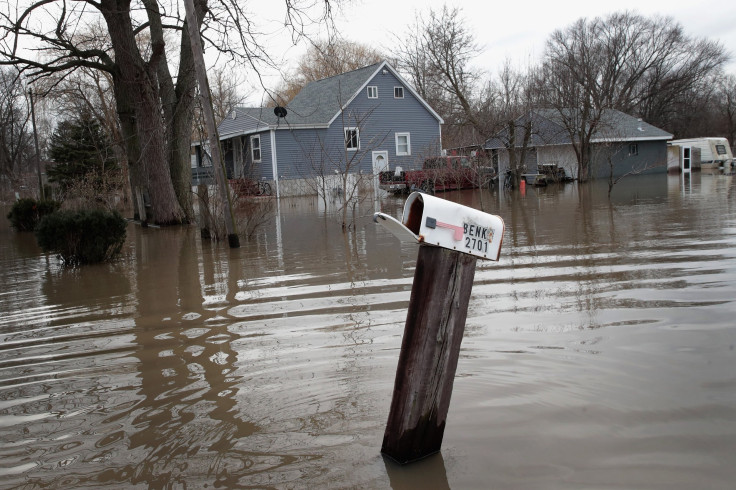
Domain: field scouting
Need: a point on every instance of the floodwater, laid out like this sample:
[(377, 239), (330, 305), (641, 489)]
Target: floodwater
[(599, 352)]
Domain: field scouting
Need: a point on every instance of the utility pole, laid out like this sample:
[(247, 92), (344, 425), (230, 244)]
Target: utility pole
[(209, 116), (35, 141)]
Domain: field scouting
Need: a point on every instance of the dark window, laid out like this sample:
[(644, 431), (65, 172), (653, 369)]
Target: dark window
[(633, 149), (398, 92), (352, 139)]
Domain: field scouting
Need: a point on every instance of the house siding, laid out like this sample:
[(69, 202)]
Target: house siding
[(299, 152), (651, 158), (264, 169)]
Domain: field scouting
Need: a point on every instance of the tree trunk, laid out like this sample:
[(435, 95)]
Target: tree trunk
[(178, 106), (139, 108)]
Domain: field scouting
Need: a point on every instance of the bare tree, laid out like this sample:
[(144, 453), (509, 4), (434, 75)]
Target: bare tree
[(89, 91), (16, 145), (143, 81), (323, 59), (512, 115), (226, 90), (570, 75), (436, 55), (625, 62), (727, 107), (335, 172)]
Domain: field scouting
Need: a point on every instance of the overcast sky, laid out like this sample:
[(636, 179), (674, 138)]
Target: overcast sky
[(513, 29)]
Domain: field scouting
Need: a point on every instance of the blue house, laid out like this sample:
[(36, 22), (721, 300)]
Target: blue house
[(620, 144), (361, 122)]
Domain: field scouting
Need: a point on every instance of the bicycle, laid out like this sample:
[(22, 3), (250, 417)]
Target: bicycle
[(264, 188), (251, 187), (508, 182)]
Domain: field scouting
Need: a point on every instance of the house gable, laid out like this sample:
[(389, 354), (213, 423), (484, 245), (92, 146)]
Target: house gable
[(382, 70)]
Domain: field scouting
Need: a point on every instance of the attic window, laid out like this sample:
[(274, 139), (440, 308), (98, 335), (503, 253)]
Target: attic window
[(372, 92), (398, 92)]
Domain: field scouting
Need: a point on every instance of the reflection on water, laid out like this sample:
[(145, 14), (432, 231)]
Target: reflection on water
[(599, 351)]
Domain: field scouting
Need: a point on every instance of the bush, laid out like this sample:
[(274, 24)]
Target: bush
[(82, 237), (26, 213)]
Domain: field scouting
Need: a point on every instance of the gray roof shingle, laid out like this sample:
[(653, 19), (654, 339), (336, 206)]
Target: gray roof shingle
[(314, 106)]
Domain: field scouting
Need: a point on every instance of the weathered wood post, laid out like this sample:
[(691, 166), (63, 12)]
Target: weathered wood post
[(452, 238)]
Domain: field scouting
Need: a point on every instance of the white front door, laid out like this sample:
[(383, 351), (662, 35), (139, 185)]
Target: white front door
[(380, 162)]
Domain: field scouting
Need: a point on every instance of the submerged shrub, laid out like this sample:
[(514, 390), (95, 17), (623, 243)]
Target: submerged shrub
[(82, 237), (26, 213)]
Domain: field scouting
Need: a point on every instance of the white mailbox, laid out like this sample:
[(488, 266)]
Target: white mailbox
[(434, 221)]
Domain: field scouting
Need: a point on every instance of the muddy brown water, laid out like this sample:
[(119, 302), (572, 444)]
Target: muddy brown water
[(599, 352)]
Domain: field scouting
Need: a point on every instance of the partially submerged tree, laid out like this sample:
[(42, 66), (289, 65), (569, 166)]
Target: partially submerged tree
[(511, 117), (641, 66), (154, 104), (335, 173)]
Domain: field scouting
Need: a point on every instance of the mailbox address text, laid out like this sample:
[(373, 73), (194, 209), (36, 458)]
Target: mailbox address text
[(477, 237)]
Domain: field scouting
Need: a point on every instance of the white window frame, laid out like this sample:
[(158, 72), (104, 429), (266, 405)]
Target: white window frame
[(372, 91), (255, 146), (357, 137), (400, 153), (398, 92)]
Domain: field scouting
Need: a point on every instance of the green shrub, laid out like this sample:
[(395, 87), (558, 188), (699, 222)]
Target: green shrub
[(82, 237), (26, 213)]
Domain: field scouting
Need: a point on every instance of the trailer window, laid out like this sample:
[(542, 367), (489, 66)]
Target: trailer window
[(721, 149)]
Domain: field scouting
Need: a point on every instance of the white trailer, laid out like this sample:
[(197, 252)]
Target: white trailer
[(714, 152)]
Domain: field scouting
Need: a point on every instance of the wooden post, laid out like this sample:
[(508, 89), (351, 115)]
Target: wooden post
[(434, 328), (141, 206)]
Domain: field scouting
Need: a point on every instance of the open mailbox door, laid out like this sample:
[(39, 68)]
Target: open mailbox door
[(435, 221)]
